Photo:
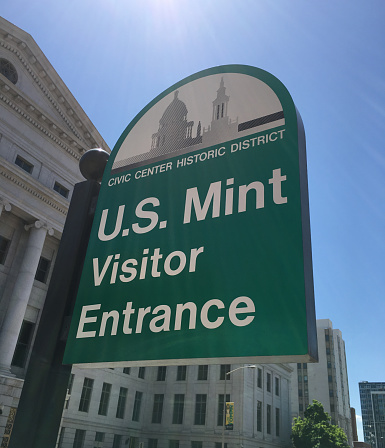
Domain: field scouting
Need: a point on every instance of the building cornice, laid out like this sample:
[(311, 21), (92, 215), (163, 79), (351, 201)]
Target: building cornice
[(16, 176), (12, 98), (22, 46)]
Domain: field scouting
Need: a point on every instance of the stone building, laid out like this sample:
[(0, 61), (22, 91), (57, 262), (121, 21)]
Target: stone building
[(43, 134), (177, 407), (325, 381)]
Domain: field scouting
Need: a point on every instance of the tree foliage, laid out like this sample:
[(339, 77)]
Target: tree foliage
[(316, 431)]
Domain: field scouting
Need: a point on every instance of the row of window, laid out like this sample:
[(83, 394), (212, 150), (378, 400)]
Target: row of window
[(80, 436), (181, 375), (85, 398), (158, 404), (28, 167), (201, 408), (131, 442)]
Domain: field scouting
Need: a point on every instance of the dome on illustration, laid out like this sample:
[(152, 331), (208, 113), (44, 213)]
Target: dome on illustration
[(176, 111)]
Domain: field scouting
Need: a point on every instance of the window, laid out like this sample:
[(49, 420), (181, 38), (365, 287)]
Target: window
[(121, 402), (61, 190), (104, 399), (221, 405), (99, 437), (268, 419), (4, 246), (85, 397), (304, 365), (161, 373), (137, 404), (200, 409), (142, 372), (8, 70), (24, 165), (181, 373), (202, 372), (219, 445), (277, 387), (133, 443), (42, 270), (61, 437), (117, 441), (305, 378), (177, 415), (328, 351), (157, 409), (80, 435), (268, 382), (259, 416), (277, 421), (330, 378), (225, 368), (259, 378), (23, 343), (152, 443), (196, 444), (127, 370), (173, 444)]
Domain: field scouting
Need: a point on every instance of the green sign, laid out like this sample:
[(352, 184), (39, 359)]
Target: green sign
[(200, 248)]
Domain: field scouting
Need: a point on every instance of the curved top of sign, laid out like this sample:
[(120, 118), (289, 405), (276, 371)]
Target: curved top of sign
[(210, 107)]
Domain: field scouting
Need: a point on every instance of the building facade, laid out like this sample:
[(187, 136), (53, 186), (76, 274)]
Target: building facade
[(43, 134), (325, 381), (372, 396), (177, 407)]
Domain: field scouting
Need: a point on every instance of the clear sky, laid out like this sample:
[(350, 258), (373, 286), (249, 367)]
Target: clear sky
[(117, 55)]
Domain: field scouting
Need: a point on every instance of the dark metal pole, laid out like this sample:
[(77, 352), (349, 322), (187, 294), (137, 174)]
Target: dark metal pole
[(42, 400)]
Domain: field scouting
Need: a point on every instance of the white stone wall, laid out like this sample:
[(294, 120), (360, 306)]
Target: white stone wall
[(318, 383), (41, 122)]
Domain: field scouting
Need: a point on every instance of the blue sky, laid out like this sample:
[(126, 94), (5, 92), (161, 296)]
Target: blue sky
[(117, 55)]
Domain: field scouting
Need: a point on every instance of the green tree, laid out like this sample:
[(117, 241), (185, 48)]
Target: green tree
[(316, 431)]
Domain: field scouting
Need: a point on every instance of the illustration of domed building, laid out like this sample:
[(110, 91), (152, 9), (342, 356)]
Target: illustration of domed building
[(175, 131)]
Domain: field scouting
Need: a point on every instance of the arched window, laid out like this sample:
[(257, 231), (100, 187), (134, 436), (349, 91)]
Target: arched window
[(8, 70)]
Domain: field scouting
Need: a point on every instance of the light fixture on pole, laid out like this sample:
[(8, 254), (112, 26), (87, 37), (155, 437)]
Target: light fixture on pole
[(224, 399)]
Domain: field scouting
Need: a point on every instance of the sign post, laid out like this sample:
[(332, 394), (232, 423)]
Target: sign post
[(38, 416), (200, 249)]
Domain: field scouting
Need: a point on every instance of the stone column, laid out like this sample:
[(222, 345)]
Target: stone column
[(13, 320)]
